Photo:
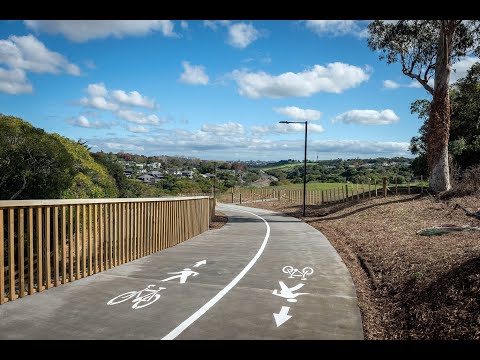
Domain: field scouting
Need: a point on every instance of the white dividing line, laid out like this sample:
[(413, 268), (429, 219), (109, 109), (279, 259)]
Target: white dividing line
[(194, 317)]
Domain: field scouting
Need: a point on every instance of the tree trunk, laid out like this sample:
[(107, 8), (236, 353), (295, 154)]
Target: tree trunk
[(439, 122)]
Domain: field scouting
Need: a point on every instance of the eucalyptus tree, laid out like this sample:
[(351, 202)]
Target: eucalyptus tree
[(426, 50)]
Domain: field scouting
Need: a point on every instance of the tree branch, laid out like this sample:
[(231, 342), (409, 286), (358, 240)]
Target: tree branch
[(420, 80), (21, 189)]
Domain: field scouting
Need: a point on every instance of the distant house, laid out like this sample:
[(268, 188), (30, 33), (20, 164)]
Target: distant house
[(187, 173), (174, 172), (139, 166), (147, 179), (155, 165), (128, 172), (208, 175), (156, 174)]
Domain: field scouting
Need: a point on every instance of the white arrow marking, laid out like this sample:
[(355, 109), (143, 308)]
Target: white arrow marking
[(198, 263), (282, 316)]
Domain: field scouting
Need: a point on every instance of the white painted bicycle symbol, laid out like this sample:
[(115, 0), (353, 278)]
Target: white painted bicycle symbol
[(140, 301), (294, 272)]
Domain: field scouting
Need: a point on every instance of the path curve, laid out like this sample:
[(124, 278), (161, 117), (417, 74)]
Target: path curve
[(241, 292)]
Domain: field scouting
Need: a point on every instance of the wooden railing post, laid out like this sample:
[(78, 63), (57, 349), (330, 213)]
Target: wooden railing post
[(384, 186)]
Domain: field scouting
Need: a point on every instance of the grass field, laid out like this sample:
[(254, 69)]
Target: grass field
[(317, 186), (285, 166)]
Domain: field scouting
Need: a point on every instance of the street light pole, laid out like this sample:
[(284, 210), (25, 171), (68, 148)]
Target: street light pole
[(304, 162)]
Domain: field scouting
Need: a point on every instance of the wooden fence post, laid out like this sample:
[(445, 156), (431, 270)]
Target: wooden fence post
[(358, 195), (376, 190), (369, 188), (232, 197), (396, 185), (346, 192), (421, 183), (408, 187), (323, 201), (384, 187), (240, 198)]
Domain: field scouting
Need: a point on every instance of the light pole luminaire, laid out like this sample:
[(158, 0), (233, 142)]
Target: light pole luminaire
[(304, 161)]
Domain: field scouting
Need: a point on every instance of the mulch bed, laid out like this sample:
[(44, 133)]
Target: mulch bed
[(408, 286), (218, 221)]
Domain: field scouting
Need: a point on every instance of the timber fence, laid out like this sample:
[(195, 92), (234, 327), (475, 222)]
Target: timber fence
[(46, 243), (336, 194)]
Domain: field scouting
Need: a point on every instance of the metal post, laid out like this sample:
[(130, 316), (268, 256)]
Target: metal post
[(305, 170)]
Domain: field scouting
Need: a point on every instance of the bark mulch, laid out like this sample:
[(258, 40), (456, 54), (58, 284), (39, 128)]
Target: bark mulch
[(409, 286), (218, 221)]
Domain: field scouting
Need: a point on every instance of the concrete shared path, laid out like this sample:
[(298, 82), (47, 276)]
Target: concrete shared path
[(265, 276)]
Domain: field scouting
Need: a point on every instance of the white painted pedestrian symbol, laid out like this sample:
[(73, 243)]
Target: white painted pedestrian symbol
[(294, 272), (282, 316), (287, 292), (198, 263), (182, 275), (143, 297)]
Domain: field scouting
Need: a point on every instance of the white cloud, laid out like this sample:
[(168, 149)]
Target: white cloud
[(184, 24), (138, 129), (193, 74), (228, 129), (390, 84), (21, 54), (298, 113), (336, 28), (133, 98), (287, 129), (414, 84), (123, 146), (213, 24), (90, 64), (460, 68), (14, 82), (240, 35), (138, 117), (84, 30), (98, 89), (30, 54), (82, 121), (333, 78), (98, 102), (367, 117), (100, 97), (248, 147), (350, 148)]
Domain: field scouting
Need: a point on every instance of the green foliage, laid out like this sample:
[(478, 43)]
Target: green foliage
[(92, 179), (115, 170), (464, 142), (33, 164)]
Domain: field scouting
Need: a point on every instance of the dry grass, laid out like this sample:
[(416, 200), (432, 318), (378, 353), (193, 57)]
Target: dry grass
[(408, 286)]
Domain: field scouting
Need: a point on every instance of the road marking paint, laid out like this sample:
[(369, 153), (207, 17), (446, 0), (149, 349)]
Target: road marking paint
[(195, 316), (282, 316)]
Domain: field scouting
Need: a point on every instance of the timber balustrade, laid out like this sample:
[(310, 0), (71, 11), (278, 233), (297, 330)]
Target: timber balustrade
[(46, 243)]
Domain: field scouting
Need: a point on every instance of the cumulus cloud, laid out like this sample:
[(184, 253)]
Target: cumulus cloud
[(333, 78), (213, 24), (84, 30), (248, 147), (460, 68), (287, 128), (184, 24), (298, 113), (228, 129), (193, 74), (14, 82), (138, 117), (138, 129), (337, 27), (82, 121), (99, 97), (22, 54), (240, 35), (352, 147), (390, 84), (133, 98), (367, 117)]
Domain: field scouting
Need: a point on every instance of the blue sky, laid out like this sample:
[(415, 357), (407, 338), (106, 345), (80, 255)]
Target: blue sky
[(209, 89)]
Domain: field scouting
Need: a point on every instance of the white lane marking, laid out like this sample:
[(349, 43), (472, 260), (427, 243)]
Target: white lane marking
[(282, 316), (198, 263), (195, 316)]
